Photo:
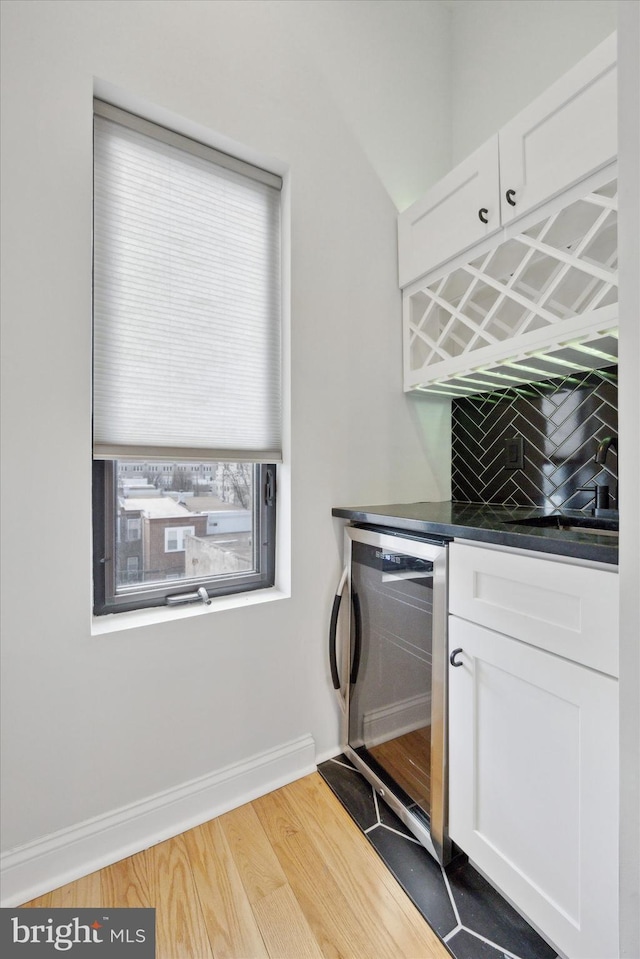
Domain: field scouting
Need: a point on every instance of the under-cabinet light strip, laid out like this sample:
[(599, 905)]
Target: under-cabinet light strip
[(591, 351), (475, 377), (502, 376), (481, 384), (518, 365), (446, 389)]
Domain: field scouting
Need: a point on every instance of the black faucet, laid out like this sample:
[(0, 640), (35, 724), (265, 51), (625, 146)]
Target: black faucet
[(603, 448), (600, 491)]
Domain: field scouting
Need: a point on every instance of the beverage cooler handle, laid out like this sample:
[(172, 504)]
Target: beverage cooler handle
[(357, 651), (333, 630)]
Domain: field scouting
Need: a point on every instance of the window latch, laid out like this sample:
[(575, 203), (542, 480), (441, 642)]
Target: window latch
[(200, 596), (269, 488)]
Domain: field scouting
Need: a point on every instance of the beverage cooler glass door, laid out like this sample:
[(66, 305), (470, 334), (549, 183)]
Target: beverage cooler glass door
[(395, 717)]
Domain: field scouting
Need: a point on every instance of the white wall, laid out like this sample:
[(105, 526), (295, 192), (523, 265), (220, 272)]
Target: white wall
[(506, 53), (331, 90)]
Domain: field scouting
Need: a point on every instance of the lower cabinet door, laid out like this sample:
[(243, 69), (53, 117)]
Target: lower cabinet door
[(533, 773)]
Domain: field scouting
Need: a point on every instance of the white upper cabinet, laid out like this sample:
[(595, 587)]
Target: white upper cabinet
[(461, 209), (563, 136), (567, 133), (508, 266)]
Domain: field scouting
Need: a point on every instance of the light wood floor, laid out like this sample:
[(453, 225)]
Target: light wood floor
[(288, 876)]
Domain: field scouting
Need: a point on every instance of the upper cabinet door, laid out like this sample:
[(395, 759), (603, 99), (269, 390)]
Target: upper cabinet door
[(569, 132), (461, 209)]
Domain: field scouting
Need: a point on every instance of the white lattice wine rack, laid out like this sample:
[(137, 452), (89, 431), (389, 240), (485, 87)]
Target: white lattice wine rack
[(540, 304)]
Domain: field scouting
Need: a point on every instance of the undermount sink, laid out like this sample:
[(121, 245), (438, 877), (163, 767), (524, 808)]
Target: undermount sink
[(600, 525)]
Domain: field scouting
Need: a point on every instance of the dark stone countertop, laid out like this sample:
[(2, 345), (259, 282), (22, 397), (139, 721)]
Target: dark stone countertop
[(486, 524)]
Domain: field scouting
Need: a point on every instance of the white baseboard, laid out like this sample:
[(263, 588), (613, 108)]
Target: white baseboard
[(38, 867)]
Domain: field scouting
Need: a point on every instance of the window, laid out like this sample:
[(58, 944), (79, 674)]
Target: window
[(133, 529), (174, 538), (186, 368), (133, 566)]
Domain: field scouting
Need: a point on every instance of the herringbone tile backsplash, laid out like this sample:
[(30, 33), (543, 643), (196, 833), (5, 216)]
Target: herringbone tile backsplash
[(560, 421)]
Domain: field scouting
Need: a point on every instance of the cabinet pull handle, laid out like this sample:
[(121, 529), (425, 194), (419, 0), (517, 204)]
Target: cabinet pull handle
[(483, 214), (510, 195), (452, 657)]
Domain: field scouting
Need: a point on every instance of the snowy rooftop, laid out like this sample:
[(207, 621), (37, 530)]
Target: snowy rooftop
[(163, 506)]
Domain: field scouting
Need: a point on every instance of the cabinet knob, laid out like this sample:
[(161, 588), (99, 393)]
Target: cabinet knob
[(452, 657), (510, 194), (483, 214)]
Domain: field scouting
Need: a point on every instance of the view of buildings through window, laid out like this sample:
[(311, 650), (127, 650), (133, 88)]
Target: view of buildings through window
[(183, 520)]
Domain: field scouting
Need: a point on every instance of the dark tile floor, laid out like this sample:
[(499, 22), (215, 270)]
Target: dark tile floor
[(470, 917)]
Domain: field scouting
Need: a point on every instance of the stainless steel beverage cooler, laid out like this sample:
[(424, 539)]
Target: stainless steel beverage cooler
[(390, 673)]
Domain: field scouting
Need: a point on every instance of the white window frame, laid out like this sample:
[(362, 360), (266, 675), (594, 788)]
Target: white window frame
[(264, 530)]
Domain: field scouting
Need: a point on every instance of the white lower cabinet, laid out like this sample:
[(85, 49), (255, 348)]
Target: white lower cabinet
[(533, 774), (566, 608)]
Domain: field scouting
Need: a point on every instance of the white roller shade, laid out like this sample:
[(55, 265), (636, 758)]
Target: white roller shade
[(186, 311)]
